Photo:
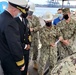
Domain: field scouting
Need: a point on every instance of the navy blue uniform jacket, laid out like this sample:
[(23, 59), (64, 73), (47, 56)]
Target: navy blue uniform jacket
[(10, 44)]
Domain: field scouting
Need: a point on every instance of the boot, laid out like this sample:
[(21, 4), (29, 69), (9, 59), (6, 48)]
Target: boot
[(35, 65), (27, 73)]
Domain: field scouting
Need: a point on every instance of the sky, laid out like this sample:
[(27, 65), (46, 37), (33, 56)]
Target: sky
[(72, 2)]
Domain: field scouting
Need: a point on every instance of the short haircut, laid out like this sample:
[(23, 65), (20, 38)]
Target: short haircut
[(59, 9)]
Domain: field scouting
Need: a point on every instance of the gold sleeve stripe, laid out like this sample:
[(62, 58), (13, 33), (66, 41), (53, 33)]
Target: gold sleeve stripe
[(29, 38), (19, 63)]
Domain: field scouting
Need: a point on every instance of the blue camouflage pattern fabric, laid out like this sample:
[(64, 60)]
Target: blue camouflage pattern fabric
[(67, 66)]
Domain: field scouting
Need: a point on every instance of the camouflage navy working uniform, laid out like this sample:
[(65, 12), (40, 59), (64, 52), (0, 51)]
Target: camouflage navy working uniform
[(47, 36), (68, 31), (34, 23), (67, 66)]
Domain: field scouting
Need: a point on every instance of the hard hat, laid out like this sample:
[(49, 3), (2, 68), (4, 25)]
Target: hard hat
[(32, 6), (47, 16), (20, 4)]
